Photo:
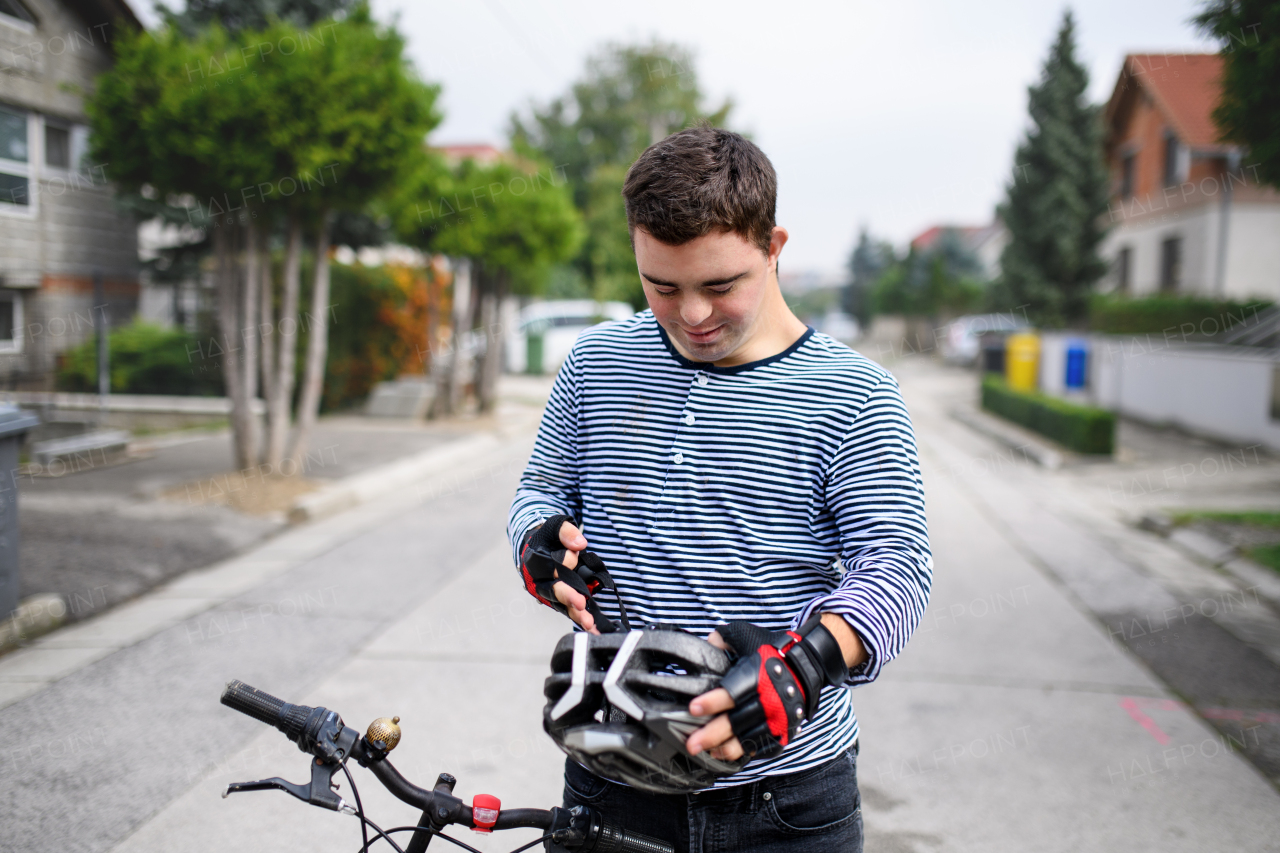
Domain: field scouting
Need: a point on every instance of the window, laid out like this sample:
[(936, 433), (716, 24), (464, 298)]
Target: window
[(10, 321), (14, 170), (1126, 176), (57, 146), (1170, 264), (1124, 263), (1170, 160)]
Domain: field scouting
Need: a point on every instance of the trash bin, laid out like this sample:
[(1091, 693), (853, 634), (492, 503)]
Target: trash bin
[(1022, 361), (533, 353), (14, 423), (992, 355), (1077, 362)]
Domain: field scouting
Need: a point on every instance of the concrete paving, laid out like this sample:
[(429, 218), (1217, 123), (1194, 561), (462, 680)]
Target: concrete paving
[(1018, 718)]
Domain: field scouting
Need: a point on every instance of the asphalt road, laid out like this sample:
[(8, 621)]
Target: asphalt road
[(1024, 715)]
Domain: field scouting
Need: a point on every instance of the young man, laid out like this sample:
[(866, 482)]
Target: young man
[(730, 465)]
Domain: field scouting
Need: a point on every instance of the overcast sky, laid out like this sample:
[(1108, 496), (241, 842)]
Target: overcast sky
[(896, 116)]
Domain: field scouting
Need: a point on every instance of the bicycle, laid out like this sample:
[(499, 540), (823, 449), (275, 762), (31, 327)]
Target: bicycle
[(322, 733)]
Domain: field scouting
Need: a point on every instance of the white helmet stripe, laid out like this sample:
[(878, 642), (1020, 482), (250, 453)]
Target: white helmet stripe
[(577, 686), (612, 689)]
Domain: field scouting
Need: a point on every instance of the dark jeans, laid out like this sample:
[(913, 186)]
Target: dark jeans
[(818, 809)]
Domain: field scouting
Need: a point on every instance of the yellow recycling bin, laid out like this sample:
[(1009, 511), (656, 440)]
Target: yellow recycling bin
[(1022, 361)]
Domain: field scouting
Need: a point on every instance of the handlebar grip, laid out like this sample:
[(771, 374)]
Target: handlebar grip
[(287, 717), (251, 701), (614, 839)]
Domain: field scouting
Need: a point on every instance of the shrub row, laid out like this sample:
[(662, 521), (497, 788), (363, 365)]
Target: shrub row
[(1153, 315), (1083, 429)]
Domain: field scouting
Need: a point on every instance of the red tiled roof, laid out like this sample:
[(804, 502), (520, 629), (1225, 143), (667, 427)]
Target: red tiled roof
[(1186, 86), (924, 241)]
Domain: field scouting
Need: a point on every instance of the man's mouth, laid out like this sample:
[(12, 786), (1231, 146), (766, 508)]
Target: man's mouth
[(702, 337)]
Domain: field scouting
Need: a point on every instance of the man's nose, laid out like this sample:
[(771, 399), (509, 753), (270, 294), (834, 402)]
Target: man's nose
[(694, 310)]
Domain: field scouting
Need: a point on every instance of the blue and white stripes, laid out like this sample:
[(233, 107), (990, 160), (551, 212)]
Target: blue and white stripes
[(763, 492)]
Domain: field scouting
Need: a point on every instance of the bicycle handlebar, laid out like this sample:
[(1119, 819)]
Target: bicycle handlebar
[(321, 733)]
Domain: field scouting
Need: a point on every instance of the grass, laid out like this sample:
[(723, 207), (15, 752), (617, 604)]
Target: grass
[(1267, 520), (1267, 555)]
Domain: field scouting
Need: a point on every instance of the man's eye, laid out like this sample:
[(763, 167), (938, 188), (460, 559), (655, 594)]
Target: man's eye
[(666, 291), (721, 290)]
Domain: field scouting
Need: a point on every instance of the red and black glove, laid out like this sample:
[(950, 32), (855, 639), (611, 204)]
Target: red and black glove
[(542, 564), (776, 680)]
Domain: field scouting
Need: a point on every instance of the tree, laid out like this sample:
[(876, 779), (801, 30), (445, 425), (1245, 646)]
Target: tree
[(868, 262), (296, 136), (1057, 196), (628, 98), (514, 220), (1249, 112), (237, 15)]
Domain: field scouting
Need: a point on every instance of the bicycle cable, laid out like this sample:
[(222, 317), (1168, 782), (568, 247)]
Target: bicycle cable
[(355, 792), (431, 829)]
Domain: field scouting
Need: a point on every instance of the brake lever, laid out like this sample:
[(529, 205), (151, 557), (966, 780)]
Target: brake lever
[(319, 792)]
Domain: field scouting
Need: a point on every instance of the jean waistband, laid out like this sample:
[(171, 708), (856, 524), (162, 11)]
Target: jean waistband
[(750, 790)]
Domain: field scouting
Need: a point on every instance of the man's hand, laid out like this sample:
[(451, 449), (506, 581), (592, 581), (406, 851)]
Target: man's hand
[(573, 541), (717, 736)]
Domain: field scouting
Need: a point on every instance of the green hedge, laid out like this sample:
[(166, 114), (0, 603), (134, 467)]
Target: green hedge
[(1083, 429), (143, 359), (1154, 315)]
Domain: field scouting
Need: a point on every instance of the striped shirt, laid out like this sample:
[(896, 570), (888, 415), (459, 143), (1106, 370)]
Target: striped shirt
[(764, 491)]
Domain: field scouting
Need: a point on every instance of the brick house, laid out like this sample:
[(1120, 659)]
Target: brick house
[(59, 224), (1188, 215)]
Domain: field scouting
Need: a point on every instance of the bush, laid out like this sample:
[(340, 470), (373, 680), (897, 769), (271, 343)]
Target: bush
[(143, 359), (1153, 315), (1083, 429)]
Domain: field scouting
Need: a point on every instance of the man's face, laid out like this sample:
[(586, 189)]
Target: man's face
[(708, 294)]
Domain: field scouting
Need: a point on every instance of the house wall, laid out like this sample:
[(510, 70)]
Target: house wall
[(71, 228)]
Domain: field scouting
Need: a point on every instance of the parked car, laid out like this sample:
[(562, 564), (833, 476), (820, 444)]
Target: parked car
[(960, 343), (557, 324)]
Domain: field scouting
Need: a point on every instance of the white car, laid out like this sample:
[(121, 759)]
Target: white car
[(558, 323), (960, 341)]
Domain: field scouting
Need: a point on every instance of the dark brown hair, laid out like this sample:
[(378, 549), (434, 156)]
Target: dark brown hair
[(700, 180)]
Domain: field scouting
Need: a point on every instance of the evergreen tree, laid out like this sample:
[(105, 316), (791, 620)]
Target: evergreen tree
[(1057, 197), (1249, 112), (868, 262)]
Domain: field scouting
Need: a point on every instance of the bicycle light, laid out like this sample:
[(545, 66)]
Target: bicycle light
[(484, 812), (384, 732)]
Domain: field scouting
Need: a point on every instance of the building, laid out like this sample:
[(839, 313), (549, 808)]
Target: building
[(985, 242), (1188, 215), (60, 228)]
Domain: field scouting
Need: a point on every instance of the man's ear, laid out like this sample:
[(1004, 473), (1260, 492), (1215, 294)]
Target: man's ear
[(777, 240)]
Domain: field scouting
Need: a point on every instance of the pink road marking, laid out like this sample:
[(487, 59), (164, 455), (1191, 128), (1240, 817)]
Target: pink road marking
[(1131, 704)]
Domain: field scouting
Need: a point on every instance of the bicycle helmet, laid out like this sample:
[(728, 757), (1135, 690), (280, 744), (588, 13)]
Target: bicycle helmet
[(618, 704)]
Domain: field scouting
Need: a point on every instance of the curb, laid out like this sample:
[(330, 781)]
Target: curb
[(359, 488), (36, 616), (1220, 555), (1012, 437)]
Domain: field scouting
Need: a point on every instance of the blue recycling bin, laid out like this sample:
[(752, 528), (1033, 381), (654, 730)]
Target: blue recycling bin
[(1077, 362)]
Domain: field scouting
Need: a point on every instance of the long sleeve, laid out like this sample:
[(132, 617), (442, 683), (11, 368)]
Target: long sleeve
[(550, 483), (874, 491)]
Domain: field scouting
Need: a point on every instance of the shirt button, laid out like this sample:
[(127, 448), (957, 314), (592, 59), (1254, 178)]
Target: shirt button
[(688, 419), (679, 458), (702, 379)]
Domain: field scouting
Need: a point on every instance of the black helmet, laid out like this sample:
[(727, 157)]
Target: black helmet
[(618, 704)]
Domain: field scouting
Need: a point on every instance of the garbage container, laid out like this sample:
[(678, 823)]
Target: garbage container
[(1022, 361), (14, 423), (533, 353), (1077, 362), (992, 355)]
